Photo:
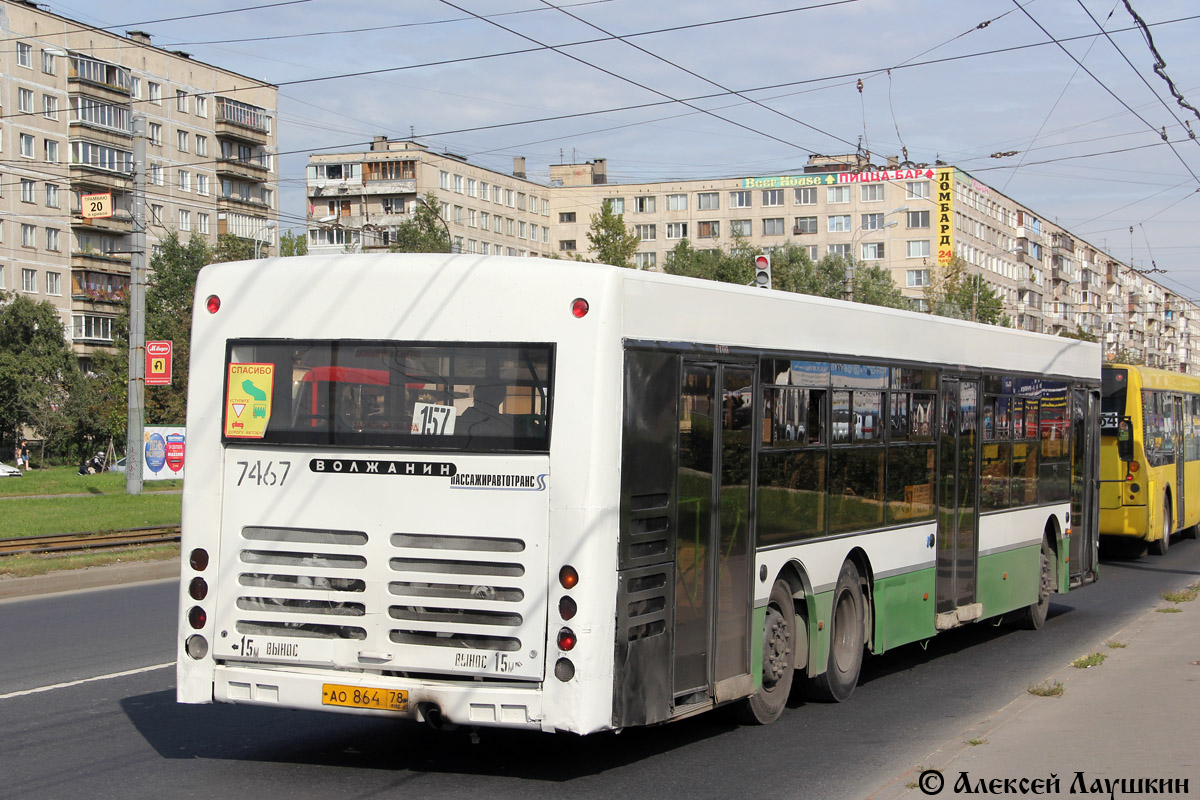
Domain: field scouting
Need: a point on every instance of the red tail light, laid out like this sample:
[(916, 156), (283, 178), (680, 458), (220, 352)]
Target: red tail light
[(567, 639)]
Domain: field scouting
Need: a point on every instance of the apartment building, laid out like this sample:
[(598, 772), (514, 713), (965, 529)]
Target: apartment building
[(910, 219), (69, 96), (355, 201)]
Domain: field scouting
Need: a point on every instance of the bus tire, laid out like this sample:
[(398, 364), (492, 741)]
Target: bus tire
[(1033, 616), (778, 659), (1159, 546), (847, 640)]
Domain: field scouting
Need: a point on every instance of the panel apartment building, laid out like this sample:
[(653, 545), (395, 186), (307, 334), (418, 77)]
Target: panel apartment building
[(907, 218), (69, 95)]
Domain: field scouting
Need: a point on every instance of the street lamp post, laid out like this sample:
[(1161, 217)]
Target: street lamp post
[(270, 225)]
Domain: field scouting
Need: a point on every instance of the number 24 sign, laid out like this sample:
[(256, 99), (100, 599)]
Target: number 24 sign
[(93, 206)]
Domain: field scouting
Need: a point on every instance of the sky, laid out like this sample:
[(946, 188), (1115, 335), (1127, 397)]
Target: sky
[(1055, 103)]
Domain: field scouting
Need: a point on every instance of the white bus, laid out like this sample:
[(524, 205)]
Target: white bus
[(490, 491)]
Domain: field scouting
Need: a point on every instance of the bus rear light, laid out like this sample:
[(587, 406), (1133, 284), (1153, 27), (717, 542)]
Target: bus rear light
[(1134, 466), (567, 639), (567, 608), (213, 304), (579, 308), (197, 617), (564, 670), (196, 646), (199, 559), (568, 577), (198, 589)]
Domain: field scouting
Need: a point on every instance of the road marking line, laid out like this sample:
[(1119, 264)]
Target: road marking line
[(69, 684)]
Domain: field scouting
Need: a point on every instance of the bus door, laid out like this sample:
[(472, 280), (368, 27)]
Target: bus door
[(712, 561), (1178, 409), (958, 510), (1085, 486)]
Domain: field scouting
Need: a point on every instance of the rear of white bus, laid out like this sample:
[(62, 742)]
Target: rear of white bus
[(363, 533)]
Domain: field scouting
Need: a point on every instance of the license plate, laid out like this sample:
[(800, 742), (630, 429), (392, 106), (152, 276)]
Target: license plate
[(334, 694)]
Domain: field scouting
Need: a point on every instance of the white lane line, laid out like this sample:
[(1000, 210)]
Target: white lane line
[(69, 684)]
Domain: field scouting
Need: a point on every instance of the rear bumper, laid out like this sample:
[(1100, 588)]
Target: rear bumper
[(501, 706), (1131, 521)]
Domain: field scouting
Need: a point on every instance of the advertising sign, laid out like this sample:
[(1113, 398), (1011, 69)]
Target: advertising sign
[(944, 187), (158, 363), (164, 452)]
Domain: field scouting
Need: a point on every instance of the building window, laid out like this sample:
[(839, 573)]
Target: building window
[(837, 194), (520, 201), (918, 249), (772, 197), (201, 184), (87, 326), (52, 195), (201, 145), (916, 190), (566, 216), (708, 230), (643, 205), (154, 133), (839, 223), (740, 200), (484, 217), (918, 219), (49, 65), (24, 55), (521, 230), (842, 250), (677, 230), (182, 141), (458, 184), (29, 280), (185, 180), (185, 220), (773, 227), (566, 245), (916, 278), (645, 232), (25, 100), (443, 180), (472, 218), (677, 202), (202, 219), (201, 106), (51, 239), (497, 195), (135, 87), (54, 282), (472, 187), (872, 251), (805, 225), (155, 92), (806, 196), (811, 250), (616, 204), (872, 222), (27, 191), (708, 201), (871, 192), (458, 215), (27, 145), (510, 198), (49, 106), (181, 103), (156, 174), (510, 227), (741, 227), (51, 148), (645, 260)]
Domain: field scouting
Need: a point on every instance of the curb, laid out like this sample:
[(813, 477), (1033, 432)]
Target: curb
[(72, 580)]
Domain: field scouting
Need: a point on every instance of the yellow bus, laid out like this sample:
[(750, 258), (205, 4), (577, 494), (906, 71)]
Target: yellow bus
[(1149, 454)]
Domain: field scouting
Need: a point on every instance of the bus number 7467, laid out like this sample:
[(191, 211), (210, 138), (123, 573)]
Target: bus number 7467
[(263, 475)]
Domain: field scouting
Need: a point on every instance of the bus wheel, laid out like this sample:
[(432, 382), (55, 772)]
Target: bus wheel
[(1033, 616), (847, 638), (1159, 546), (778, 659)]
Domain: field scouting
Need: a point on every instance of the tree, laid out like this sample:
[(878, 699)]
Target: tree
[(610, 240), (1080, 334), (230, 247), (293, 244), (35, 361), (424, 232), (954, 292), (713, 265)]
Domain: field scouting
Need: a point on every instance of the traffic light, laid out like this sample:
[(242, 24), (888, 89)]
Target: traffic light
[(762, 271)]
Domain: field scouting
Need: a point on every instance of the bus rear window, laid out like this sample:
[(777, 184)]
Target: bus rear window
[(1113, 386), (476, 397)]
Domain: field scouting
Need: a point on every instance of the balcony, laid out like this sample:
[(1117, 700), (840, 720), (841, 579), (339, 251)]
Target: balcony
[(85, 176), (121, 222), (240, 121), (253, 170), (251, 205), (100, 79), (97, 260), (1062, 244)]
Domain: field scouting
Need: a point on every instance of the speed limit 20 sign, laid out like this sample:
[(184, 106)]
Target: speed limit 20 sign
[(158, 363)]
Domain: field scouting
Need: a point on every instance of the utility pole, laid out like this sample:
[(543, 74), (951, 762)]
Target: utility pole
[(134, 430)]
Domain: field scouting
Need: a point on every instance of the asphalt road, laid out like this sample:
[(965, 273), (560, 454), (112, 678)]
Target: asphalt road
[(125, 737)]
